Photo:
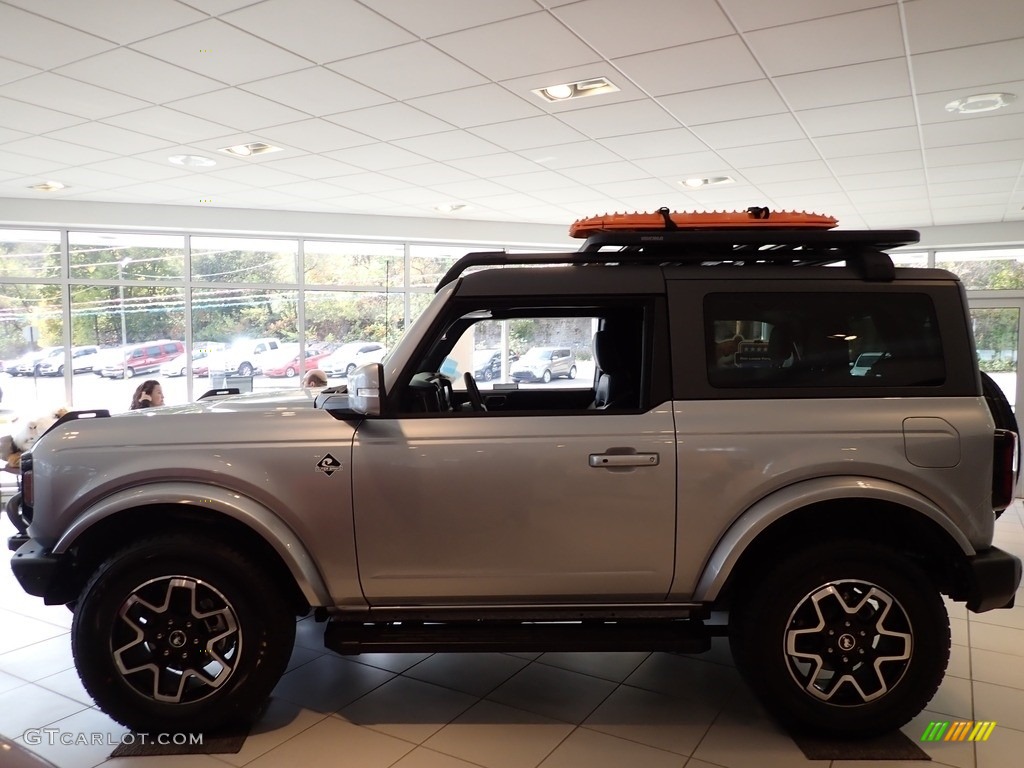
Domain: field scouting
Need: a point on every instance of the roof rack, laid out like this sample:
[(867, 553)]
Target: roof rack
[(864, 250)]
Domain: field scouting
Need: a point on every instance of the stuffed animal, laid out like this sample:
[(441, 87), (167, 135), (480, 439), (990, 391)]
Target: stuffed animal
[(25, 434)]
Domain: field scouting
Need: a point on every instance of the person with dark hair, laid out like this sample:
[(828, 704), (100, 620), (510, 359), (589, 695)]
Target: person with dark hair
[(148, 394)]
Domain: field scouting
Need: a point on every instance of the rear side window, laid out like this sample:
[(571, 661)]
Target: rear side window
[(818, 340)]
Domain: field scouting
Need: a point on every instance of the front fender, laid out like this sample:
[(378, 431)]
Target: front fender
[(250, 513), (745, 529)]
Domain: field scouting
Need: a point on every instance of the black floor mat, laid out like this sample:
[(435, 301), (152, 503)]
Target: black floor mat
[(891, 746), (147, 744)]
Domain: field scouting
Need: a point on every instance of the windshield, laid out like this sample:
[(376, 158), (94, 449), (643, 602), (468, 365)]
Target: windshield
[(400, 352)]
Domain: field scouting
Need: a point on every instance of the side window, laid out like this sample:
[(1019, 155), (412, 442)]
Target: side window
[(273, 345), (852, 339), (539, 359), (171, 349)]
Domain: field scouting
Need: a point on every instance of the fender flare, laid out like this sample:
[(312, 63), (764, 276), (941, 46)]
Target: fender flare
[(243, 509), (775, 506)]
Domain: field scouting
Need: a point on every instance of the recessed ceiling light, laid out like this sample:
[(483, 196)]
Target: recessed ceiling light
[(980, 102), (48, 186), (192, 161), (247, 150), (450, 207), (595, 86), (710, 181)]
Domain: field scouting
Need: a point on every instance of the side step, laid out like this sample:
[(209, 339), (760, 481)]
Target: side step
[(681, 636)]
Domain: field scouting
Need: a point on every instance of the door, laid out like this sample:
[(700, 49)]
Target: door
[(508, 508)]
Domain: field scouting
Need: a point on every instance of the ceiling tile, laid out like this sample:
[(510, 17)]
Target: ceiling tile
[(449, 145), (440, 16), (726, 102), (115, 19), (30, 39), (135, 74), (412, 196), (534, 182), (480, 105), (783, 192), (239, 109), (316, 135), (631, 190), (752, 130), (998, 186), (28, 166), (755, 14), (408, 71), (319, 30), (983, 153), (265, 198), (933, 25), (686, 165), (604, 173), (810, 169), (972, 215), (877, 199), (876, 163), (369, 182), (429, 174), (8, 134), (32, 119), (257, 176), (222, 52), (509, 201), (969, 67), (496, 50), (570, 155), (317, 91), (313, 190), (1004, 169), (471, 189), (692, 67), (109, 138), (856, 118), (528, 133), (136, 169), (846, 85), (206, 184), (976, 129), (314, 167), (12, 70), (654, 143), (61, 93), (169, 124), (869, 142), (391, 121), (771, 154), (603, 25), (58, 151), (489, 166), (619, 119), (813, 45), (565, 195), (884, 180), (218, 7), (377, 157)]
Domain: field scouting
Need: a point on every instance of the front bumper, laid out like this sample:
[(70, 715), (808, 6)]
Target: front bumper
[(44, 574), (992, 579)]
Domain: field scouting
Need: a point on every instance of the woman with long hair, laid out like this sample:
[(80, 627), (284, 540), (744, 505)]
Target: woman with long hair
[(147, 395)]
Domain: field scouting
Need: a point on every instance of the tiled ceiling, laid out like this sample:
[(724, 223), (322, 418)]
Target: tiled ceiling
[(396, 107)]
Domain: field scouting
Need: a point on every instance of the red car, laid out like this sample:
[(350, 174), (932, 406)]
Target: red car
[(289, 367)]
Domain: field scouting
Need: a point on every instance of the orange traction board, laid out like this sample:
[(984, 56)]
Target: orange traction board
[(663, 219)]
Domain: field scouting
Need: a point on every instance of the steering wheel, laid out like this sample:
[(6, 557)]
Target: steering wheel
[(476, 400)]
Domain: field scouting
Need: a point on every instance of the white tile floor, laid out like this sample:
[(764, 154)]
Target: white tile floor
[(555, 710)]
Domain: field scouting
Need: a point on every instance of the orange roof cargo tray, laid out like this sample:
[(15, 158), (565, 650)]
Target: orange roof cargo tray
[(663, 219)]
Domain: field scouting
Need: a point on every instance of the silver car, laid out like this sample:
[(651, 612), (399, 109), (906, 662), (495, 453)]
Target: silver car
[(720, 455)]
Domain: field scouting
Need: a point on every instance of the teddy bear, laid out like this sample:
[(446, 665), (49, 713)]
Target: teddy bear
[(24, 435)]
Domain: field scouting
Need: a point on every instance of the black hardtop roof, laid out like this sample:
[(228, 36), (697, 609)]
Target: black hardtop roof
[(863, 250)]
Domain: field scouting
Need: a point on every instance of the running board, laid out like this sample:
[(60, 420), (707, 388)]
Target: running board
[(351, 638)]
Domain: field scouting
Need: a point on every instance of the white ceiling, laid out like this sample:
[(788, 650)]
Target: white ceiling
[(393, 107)]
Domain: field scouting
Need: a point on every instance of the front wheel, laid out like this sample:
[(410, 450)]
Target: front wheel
[(547, 377), (129, 373), (289, 373), (245, 369), (572, 372), (175, 634), (348, 370), (847, 639)]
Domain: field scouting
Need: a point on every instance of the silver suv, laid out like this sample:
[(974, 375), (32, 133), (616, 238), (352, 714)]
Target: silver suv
[(544, 364), (724, 455)]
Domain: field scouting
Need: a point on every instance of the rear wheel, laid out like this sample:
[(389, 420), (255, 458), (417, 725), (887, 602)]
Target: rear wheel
[(572, 372), (348, 371), (547, 377), (848, 639), (175, 634), (245, 369), (290, 373)]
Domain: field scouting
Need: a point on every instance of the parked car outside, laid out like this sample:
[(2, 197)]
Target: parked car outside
[(545, 364), (363, 358), (290, 366), (486, 364), (144, 358), (341, 361), (245, 357), (82, 359), (29, 363)]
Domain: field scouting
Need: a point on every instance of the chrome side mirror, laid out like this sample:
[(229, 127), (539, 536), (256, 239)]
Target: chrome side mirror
[(366, 389)]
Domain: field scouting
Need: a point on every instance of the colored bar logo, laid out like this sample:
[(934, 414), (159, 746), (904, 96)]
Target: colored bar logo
[(959, 731)]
